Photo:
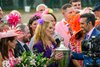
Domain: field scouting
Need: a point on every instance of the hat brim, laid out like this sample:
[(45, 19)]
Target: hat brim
[(14, 35), (8, 34)]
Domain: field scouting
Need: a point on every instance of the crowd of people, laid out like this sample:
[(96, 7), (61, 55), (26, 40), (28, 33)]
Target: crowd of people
[(44, 34)]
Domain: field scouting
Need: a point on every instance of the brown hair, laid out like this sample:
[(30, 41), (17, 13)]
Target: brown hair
[(65, 6), (4, 46), (31, 20), (74, 1)]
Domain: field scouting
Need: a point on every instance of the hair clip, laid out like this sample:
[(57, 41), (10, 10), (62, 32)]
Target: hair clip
[(41, 21)]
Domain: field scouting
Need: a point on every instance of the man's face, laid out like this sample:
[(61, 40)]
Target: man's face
[(76, 5), (68, 13), (84, 25), (41, 9), (12, 44), (34, 25), (97, 13), (26, 35)]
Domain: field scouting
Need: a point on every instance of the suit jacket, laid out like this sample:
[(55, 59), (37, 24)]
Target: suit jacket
[(95, 33), (19, 49), (98, 27), (81, 56)]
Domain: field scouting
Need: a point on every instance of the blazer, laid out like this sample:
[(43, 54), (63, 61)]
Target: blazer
[(19, 49), (82, 56)]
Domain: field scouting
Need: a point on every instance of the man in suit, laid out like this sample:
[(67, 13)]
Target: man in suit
[(22, 40), (87, 22)]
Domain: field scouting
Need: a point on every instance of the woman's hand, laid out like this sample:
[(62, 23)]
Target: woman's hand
[(58, 55), (18, 60)]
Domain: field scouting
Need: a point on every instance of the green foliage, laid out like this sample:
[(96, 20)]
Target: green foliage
[(32, 60)]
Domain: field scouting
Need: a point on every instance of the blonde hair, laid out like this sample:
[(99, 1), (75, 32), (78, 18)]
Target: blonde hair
[(40, 34)]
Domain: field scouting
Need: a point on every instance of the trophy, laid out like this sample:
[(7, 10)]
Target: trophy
[(65, 60)]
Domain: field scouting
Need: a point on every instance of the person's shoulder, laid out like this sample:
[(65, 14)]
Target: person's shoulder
[(60, 22), (39, 43), (97, 31), (18, 46)]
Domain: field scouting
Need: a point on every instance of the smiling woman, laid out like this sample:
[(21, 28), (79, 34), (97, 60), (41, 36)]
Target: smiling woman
[(7, 44)]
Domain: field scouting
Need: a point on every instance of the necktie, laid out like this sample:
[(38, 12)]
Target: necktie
[(26, 47)]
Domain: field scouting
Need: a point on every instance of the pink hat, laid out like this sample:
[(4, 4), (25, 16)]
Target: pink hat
[(9, 33)]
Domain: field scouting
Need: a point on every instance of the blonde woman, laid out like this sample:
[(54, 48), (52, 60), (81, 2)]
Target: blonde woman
[(44, 41)]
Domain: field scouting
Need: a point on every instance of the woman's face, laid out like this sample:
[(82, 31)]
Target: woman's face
[(34, 25), (49, 18), (12, 44), (50, 29)]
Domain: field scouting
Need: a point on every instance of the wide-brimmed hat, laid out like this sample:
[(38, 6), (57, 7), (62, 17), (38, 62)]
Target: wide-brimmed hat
[(8, 33), (96, 7)]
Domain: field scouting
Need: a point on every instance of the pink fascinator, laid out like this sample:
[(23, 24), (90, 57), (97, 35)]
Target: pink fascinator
[(8, 33), (13, 19), (36, 14)]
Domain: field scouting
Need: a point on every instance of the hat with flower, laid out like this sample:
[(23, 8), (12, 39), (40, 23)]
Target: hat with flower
[(8, 33)]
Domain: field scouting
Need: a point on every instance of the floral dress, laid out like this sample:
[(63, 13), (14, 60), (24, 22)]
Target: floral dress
[(10, 61)]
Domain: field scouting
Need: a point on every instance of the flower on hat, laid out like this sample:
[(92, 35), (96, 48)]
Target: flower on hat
[(41, 21), (36, 14), (8, 33), (13, 19)]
